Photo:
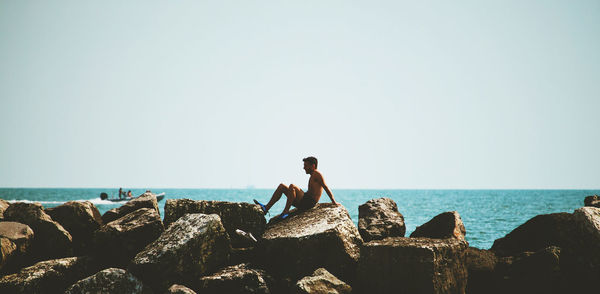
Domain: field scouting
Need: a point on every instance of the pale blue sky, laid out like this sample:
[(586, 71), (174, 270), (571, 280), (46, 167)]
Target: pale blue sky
[(386, 94)]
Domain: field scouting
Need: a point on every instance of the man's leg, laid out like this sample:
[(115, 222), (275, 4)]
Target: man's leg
[(276, 195), (295, 196)]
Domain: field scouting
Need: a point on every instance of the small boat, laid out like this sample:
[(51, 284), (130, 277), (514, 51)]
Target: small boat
[(104, 196)]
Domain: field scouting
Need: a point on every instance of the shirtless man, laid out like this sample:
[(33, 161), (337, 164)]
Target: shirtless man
[(298, 198)]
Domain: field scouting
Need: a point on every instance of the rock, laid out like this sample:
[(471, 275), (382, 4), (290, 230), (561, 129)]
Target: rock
[(323, 236), (556, 229), (243, 255), (530, 272), (585, 254), (8, 250), (51, 276), (481, 265), (110, 280), (146, 200), (21, 236), (120, 240), (194, 245), (413, 265), (51, 240), (235, 279), (3, 206), (589, 201), (179, 289), (80, 219), (321, 281), (442, 226), (379, 218), (234, 215)]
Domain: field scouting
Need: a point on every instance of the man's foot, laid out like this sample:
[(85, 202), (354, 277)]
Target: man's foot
[(283, 216), (262, 206)]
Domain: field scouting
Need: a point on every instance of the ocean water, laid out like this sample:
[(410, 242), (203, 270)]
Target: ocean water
[(487, 214)]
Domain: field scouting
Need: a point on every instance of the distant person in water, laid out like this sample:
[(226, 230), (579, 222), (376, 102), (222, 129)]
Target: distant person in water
[(298, 198), (129, 195), (120, 193)]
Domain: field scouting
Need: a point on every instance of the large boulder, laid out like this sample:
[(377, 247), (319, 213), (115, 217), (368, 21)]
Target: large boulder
[(80, 219), (120, 240), (234, 215), (3, 206), (413, 265), (179, 289), (323, 236), (146, 200), (194, 245), (379, 219), (51, 276), (556, 229), (481, 266), (51, 240), (110, 280), (321, 281), (19, 235), (442, 226), (592, 201), (239, 278)]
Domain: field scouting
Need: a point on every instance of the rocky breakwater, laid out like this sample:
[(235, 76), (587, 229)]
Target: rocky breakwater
[(432, 260), (323, 236), (120, 240), (51, 240), (234, 215), (193, 246), (550, 253)]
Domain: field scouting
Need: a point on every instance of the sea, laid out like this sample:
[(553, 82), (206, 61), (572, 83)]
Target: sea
[(487, 214)]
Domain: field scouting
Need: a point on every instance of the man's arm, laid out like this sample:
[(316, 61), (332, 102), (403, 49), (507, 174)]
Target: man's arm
[(321, 181)]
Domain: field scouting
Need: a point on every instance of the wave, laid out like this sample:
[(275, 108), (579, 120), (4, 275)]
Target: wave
[(95, 201)]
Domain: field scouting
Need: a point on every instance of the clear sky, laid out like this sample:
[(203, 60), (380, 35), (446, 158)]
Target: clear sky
[(223, 94)]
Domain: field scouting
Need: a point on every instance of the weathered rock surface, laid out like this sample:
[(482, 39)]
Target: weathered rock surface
[(323, 236), (530, 272), (51, 240), (321, 281), (179, 289), (586, 251), (146, 200), (592, 201), (379, 219), (21, 237), (110, 280), (481, 265), (3, 206), (413, 265), (234, 215), (51, 276), (80, 219), (235, 279), (194, 245), (8, 250), (556, 229), (120, 240), (442, 226), (20, 234)]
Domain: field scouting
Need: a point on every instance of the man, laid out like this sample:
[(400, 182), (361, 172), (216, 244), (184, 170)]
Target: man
[(297, 197)]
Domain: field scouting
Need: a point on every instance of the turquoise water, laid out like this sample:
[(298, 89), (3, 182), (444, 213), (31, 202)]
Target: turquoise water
[(487, 214)]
